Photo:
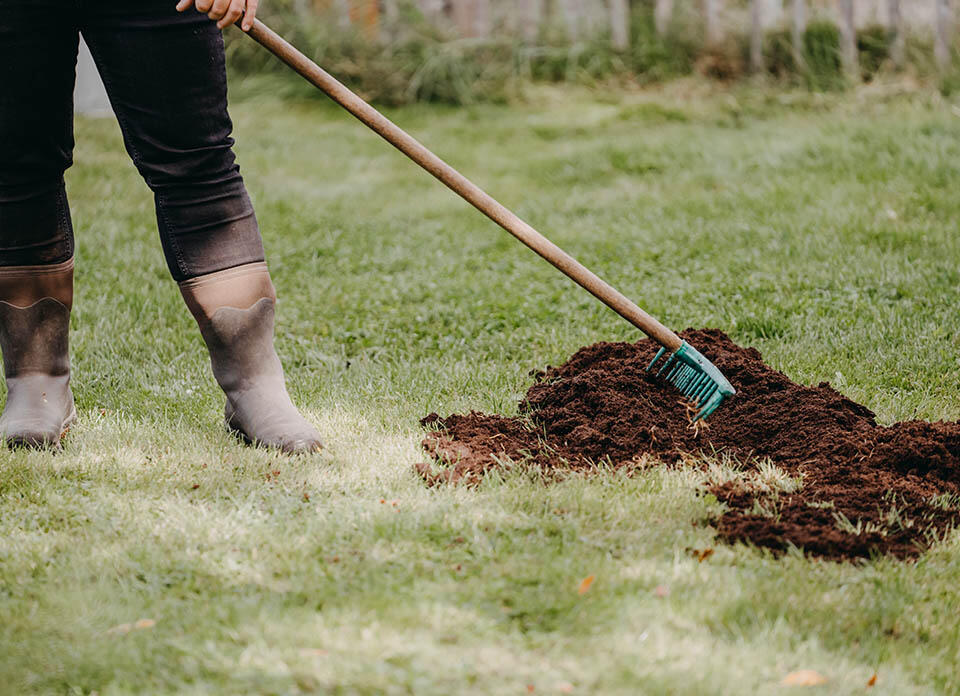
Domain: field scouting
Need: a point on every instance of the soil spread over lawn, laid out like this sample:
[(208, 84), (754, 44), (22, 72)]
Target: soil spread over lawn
[(866, 489)]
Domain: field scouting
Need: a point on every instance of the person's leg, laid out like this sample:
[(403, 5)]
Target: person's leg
[(234, 309), (38, 49), (165, 75), (35, 304)]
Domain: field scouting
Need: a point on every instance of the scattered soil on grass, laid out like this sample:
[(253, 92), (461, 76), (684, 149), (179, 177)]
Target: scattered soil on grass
[(864, 489)]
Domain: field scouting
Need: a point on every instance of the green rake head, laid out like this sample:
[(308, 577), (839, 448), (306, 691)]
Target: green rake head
[(696, 377)]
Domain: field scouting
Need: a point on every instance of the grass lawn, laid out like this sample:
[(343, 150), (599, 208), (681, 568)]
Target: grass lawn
[(823, 231)]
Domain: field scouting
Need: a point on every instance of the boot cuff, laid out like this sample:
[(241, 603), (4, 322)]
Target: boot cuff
[(24, 286), (240, 287)]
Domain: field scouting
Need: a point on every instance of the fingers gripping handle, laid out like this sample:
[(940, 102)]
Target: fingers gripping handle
[(462, 186)]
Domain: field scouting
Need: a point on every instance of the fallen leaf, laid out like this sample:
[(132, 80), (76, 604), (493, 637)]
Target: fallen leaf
[(704, 555), (565, 688), (804, 677), (585, 585), (872, 680), (125, 628), (531, 688), (661, 591)]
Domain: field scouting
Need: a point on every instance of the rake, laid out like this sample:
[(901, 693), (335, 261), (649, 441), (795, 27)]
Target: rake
[(683, 365)]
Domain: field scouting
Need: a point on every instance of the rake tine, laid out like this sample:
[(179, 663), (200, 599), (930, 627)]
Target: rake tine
[(705, 386), (705, 394), (699, 383), (655, 358), (674, 375), (695, 377), (711, 406), (670, 361)]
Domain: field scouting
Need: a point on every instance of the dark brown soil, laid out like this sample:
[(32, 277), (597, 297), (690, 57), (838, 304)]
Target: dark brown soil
[(899, 484)]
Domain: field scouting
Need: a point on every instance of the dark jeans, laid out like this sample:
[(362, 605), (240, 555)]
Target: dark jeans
[(164, 73)]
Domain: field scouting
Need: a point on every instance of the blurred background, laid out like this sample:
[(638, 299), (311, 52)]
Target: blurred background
[(464, 51)]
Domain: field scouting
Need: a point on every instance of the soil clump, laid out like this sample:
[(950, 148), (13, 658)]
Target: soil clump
[(864, 489)]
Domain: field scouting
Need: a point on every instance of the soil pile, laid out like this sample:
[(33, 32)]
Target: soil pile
[(866, 488)]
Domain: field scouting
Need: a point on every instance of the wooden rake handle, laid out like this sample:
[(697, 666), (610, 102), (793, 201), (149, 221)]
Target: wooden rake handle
[(462, 186)]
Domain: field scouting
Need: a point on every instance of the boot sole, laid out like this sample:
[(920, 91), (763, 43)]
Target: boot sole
[(250, 442), (23, 442)]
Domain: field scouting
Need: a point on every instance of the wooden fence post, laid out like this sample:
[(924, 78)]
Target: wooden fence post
[(756, 36), (366, 15), (944, 20), (391, 13), (848, 38), (461, 16), (531, 14), (662, 16), (571, 13), (472, 17), (342, 8), (711, 18), (302, 8), (797, 31), (432, 10), (482, 18), (899, 39), (772, 12), (619, 24)]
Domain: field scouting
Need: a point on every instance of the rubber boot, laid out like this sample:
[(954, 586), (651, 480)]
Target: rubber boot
[(235, 311), (35, 304)]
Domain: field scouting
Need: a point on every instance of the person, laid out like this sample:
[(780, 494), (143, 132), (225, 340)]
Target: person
[(163, 67)]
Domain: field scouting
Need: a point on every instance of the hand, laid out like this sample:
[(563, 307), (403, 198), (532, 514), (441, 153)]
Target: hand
[(225, 12)]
